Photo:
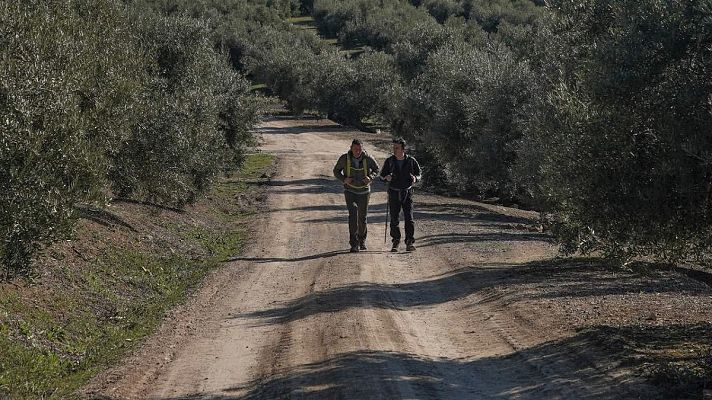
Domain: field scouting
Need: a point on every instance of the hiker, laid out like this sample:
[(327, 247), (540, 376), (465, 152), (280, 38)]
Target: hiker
[(356, 170), (401, 171)]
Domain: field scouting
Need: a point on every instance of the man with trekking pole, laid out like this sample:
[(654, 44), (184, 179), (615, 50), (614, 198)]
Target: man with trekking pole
[(401, 171), (356, 170)]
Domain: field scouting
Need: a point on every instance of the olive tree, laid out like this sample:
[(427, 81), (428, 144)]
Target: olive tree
[(618, 143)]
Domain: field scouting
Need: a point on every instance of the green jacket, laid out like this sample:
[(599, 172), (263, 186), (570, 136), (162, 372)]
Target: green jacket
[(348, 166)]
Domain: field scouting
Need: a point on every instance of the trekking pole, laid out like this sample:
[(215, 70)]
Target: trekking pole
[(388, 208)]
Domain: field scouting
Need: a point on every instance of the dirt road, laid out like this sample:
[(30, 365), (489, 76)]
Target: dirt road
[(466, 316)]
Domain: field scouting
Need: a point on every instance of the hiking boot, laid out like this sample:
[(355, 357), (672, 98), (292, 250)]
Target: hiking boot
[(410, 247), (354, 249), (362, 246), (394, 249)]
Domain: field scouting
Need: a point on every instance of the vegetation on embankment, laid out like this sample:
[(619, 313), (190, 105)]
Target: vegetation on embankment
[(106, 288)]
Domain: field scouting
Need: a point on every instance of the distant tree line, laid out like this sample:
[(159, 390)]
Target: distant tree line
[(598, 113)]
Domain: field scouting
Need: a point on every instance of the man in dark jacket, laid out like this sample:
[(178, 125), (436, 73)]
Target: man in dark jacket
[(356, 170), (401, 171)]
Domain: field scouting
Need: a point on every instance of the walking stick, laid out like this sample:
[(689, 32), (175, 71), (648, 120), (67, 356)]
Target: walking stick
[(388, 208)]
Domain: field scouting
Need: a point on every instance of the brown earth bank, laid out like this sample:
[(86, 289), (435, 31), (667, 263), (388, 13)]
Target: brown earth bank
[(92, 297), (483, 309)]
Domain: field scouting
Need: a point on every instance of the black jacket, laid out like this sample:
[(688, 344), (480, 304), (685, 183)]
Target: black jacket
[(401, 178)]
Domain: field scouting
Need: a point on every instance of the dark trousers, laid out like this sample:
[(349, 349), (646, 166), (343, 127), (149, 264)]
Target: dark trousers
[(357, 204), (397, 200)]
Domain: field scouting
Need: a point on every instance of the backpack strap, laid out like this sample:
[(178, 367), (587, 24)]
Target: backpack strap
[(364, 168)]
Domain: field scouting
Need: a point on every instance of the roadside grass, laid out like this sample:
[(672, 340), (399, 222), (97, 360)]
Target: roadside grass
[(84, 312)]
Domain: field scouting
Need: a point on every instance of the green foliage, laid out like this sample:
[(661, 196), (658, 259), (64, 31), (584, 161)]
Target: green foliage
[(95, 96), (287, 62), (308, 74), (619, 147), (470, 124), (416, 45), (331, 16), (455, 93), (595, 111), (190, 118), (233, 24), (62, 102), (441, 10), (355, 90), (490, 13), (382, 30)]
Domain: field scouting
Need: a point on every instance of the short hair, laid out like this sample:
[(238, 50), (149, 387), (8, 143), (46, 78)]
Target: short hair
[(400, 141), (356, 141)]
